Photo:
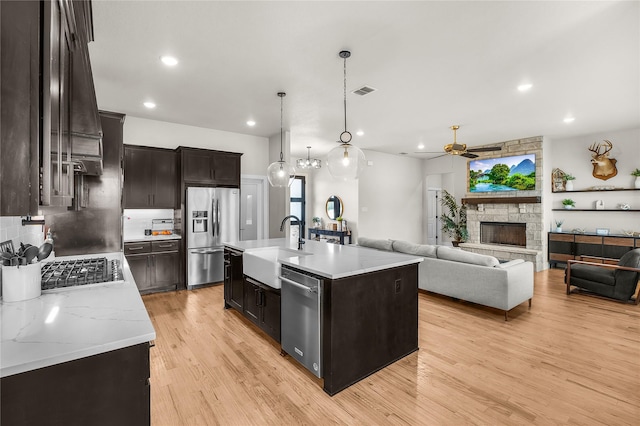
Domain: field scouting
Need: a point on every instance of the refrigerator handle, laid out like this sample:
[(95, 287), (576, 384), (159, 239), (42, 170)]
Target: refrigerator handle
[(218, 216), (213, 218)]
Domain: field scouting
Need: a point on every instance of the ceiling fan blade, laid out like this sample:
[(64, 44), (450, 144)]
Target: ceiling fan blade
[(468, 155), (427, 152), (485, 149)]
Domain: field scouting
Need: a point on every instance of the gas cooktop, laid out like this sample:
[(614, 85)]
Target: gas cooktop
[(69, 273)]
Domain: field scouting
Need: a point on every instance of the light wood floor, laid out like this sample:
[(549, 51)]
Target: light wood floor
[(569, 360)]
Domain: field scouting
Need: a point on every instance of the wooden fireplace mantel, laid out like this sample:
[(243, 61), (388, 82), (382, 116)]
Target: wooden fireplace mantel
[(501, 200)]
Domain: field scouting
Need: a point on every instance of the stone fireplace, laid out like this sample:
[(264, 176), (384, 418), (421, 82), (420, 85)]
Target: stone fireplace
[(509, 225)]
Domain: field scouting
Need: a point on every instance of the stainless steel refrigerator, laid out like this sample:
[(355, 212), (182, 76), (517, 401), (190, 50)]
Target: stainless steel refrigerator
[(213, 217)]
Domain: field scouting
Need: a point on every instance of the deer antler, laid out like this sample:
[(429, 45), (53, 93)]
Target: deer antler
[(596, 148)]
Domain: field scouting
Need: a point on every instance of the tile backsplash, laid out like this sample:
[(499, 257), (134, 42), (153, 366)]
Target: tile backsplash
[(11, 229)]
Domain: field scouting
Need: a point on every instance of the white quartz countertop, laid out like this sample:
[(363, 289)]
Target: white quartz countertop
[(144, 238), (68, 324), (331, 260)]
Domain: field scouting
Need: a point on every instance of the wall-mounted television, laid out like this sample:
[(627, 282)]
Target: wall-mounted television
[(514, 173)]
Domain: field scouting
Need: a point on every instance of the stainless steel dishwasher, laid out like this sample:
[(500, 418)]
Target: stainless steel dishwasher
[(300, 314)]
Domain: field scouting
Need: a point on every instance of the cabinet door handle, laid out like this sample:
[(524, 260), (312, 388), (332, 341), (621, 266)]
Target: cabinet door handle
[(135, 248), (165, 245), (153, 199)]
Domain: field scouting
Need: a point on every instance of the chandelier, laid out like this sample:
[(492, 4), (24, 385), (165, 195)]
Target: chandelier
[(308, 163)]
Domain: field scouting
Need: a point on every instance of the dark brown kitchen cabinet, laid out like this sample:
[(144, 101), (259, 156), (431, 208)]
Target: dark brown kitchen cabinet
[(262, 306), (233, 280), (111, 388), (150, 178), (19, 107), (217, 168), (155, 265)]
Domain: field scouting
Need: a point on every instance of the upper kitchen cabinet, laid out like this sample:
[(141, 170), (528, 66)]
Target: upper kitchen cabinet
[(150, 178), (49, 123), (217, 168), (19, 107)]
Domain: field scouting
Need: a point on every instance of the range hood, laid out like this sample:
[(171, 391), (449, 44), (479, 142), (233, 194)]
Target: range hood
[(86, 129)]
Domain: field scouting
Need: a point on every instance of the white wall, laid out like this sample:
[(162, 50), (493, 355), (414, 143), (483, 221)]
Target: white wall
[(572, 156), (323, 185), (278, 197), (391, 195), (162, 134)]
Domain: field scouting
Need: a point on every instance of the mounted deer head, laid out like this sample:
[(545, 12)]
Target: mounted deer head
[(603, 167)]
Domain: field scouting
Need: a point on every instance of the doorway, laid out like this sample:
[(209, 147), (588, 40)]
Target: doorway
[(433, 216), (297, 204)]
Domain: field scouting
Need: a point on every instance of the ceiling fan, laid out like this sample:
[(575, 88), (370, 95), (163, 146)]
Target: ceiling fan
[(461, 149)]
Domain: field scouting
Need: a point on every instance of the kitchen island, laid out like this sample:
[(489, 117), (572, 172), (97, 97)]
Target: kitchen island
[(78, 355), (368, 302)]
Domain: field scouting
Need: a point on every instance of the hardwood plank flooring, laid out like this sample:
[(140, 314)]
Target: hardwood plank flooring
[(569, 360)]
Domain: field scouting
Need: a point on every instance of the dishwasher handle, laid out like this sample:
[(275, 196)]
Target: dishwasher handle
[(301, 286)]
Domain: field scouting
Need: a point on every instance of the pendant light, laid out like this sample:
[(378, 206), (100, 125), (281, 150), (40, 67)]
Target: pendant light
[(280, 173), (345, 161), (308, 163)]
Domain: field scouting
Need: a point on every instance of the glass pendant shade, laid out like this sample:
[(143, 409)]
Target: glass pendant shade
[(281, 174), (308, 163), (346, 162)]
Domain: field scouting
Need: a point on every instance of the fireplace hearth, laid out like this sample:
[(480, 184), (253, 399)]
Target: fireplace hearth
[(503, 233)]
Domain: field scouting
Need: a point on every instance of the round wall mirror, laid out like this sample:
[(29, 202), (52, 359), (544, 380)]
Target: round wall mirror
[(334, 207)]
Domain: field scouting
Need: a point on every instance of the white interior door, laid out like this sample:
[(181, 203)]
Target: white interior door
[(433, 217), (253, 209)]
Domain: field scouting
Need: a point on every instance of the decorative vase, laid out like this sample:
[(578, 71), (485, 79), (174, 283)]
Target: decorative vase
[(568, 207), (559, 229), (569, 185), (637, 182)]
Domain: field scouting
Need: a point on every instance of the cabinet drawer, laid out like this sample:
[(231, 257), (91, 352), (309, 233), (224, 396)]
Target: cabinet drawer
[(561, 237), (618, 241), (165, 245), (137, 248), (589, 239), (560, 257)]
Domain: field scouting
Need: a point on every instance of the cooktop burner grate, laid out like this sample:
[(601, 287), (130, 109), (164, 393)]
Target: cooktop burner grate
[(68, 273)]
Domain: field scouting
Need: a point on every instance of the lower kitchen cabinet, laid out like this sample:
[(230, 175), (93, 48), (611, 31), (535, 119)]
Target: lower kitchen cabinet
[(111, 388), (233, 280), (155, 265), (262, 307)]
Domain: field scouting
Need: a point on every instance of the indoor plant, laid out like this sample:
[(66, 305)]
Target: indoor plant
[(559, 223), (636, 173), (316, 221), (454, 221), (568, 203), (569, 178)]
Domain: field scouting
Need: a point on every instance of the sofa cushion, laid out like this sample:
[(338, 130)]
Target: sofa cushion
[(376, 243), (448, 253), (415, 249)]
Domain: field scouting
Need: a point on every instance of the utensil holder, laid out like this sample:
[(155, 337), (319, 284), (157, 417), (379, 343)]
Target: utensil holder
[(21, 282)]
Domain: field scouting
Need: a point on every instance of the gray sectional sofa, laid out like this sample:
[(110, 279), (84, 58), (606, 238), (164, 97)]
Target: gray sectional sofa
[(464, 275)]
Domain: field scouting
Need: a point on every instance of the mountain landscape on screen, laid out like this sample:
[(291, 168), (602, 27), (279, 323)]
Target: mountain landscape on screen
[(514, 173)]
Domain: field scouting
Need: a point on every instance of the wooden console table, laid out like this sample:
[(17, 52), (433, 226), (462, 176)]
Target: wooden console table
[(565, 246), (339, 234)]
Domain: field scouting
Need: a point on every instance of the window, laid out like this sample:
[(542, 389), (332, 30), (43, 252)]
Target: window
[(298, 201)]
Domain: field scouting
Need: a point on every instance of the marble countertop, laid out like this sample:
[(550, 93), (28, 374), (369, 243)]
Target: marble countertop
[(138, 238), (331, 260), (68, 324)]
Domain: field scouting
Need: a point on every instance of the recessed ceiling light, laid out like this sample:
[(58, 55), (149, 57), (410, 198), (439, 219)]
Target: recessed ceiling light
[(421, 146), (525, 87), (569, 120), (359, 133), (149, 105), (251, 123), (169, 61)]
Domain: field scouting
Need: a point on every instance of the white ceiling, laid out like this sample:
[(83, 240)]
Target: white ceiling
[(434, 64)]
